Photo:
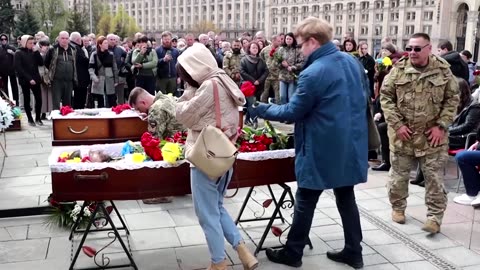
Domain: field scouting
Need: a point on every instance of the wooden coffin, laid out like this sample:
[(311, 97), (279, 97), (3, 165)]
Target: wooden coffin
[(16, 125), (96, 130), (111, 184)]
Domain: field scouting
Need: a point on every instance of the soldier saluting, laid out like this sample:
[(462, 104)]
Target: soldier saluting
[(419, 98)]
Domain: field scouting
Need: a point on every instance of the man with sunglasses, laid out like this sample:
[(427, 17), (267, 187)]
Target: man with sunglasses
[(419, 98), (7, 53)]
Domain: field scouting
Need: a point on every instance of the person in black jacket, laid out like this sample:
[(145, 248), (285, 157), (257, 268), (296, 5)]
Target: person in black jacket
[(27, 60), (254, 70), (83, 77), (368, 63), (458, 67), (7, 52)]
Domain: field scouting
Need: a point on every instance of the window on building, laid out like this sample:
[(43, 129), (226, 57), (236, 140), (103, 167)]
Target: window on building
[(295, 19), (364, 17), (379, 4), (338, 7), (378, 30), (351, 17), (327, 18), (428, 15), (295, 10), (351, 29), (411, 3), (394, 16), (410, 16), (284, 20), (339, 17), (327, 7), (394, 3), (364, 5), (379, 17), (409, 30), (305, 9), (274, 11), (316, 8), (338, 30), (364, 30), (393, 30), (351, 6), (275, 20), (427, 29), (284, 11)]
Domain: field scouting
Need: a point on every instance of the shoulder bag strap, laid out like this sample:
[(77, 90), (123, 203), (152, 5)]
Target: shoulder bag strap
[(216, 98)]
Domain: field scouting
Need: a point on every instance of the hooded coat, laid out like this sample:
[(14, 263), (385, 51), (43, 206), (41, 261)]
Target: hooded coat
[(196, 108), (6, 59)]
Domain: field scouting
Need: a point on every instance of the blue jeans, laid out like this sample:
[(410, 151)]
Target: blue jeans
[(250, 115), (467, 162), (287, 89), (212, 216), (305, 203)]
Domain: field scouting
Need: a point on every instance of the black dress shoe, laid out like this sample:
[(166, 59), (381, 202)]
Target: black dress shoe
[(384, 167), (280, 256), (419, 182), (341, 257)]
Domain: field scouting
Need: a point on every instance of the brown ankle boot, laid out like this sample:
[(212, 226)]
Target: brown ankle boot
[(219, 266), (431, 226), (248, 260), (398, 217)]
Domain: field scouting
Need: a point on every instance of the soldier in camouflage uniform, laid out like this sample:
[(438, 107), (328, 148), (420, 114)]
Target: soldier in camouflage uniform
[(231, 62), (160, 112), (419, 98), (268, 56)]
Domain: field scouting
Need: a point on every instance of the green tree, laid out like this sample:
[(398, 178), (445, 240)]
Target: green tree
[(50, 10), (123, 24), (76, 22), (26, 23), (105, 24), (7, 16), (204, 27)]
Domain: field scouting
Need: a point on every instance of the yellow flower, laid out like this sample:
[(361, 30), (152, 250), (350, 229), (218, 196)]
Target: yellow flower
[(171, 152), (64, 155), (138, 157), (74, 160), (387, 61)]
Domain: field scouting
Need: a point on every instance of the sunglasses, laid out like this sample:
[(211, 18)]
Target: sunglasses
[(415, 49), (3, 39)]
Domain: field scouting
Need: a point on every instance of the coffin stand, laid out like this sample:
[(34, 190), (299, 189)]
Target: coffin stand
[(110, 184)]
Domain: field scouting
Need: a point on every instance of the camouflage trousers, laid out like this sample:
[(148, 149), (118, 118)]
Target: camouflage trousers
[(275, 84), (432, 167)]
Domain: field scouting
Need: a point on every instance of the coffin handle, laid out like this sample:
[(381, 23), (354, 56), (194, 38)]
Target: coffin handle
[(77, 132), (103, 176)]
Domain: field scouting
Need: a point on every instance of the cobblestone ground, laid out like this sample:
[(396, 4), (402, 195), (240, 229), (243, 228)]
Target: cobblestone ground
[(168, 236)]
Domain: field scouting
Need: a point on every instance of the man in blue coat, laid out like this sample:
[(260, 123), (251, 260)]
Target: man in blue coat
[(331, 140)]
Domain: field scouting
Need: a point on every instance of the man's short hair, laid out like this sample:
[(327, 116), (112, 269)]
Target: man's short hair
[(166, 33), (134, 95), (421, 35), (445, 44), (74, 36), (316, 28), (142, 39), (467, 54)]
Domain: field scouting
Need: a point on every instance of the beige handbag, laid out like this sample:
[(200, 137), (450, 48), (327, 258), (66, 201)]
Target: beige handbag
[(213, 153)]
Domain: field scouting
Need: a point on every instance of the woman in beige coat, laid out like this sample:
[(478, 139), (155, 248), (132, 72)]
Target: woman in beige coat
[(196, 109)]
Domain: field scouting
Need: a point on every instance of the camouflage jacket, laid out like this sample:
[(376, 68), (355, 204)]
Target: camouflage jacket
[(294, 58), (272, 64), (231, 64), (419, 100), (161, 117)]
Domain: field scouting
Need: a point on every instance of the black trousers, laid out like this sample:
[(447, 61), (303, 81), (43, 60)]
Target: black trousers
[(14, 85), (37, 94), (305, 203), (111, 99), (382, 131), (79, 97)]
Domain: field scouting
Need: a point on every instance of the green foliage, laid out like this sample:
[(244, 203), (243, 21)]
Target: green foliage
[(7, 16), (121, 24), (76, 23), (26, 23), (52, 10), (105, 24)]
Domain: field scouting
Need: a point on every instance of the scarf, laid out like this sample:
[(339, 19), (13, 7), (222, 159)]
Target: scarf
[(252, 59)]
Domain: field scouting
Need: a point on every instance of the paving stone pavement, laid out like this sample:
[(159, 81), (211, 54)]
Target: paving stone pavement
[(168, 236)]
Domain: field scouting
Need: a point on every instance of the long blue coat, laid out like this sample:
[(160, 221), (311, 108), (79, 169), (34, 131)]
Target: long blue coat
[(329, 111)]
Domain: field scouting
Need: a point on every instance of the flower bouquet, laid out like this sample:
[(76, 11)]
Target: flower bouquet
[(476, 74), (261, 139), (383, 63), (65, 110), (120, 108), (64, 215)]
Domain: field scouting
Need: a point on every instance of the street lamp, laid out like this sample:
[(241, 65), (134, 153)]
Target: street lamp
[(48, 24)]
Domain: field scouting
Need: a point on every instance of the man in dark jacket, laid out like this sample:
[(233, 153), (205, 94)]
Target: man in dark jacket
[(80, 90), (458, 67), (166, 70), (61, 63), (7, 52), (120, 55)]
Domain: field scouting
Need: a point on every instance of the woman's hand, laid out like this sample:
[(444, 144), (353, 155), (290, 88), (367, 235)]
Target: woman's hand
[(256, 83), (377, 116), (473, 147)]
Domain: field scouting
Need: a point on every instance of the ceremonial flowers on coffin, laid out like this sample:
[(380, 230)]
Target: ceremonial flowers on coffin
[(6, 114), (65, 110), (120, 108), (261, 139), (170, 149)]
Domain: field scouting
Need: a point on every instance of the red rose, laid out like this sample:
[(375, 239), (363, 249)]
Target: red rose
[(120, 108), (272, 52), (64, 110), (476, 72), (247, 88), (151, 146)]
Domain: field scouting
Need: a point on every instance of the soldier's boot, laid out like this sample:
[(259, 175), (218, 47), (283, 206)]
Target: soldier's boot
[(249, 261), (398, 216), (431, 226), (219, 266)]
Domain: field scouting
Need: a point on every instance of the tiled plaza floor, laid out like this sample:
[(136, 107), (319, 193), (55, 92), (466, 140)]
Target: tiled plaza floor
[(168, 236)]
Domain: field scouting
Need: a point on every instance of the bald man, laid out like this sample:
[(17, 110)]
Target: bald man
[(61, 62)]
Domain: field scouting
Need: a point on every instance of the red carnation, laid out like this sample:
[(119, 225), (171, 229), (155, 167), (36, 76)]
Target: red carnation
[(151, 146), (272, 52), (64, 110), (248, 89), (120, 108)]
